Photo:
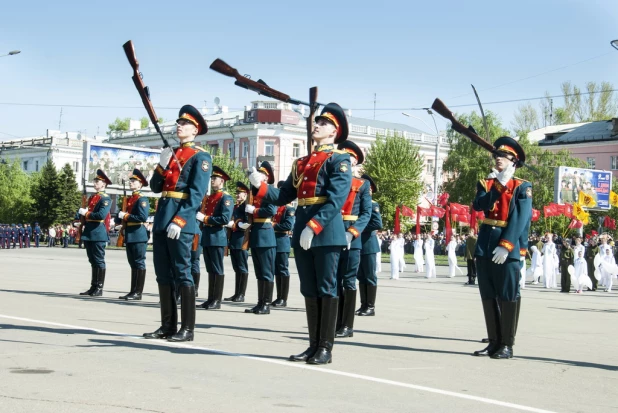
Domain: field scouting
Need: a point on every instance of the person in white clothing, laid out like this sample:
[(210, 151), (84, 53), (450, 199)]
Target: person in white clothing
[(451, 250), (430, 263), (578, 247), (402, 252), (536, 266), (396, 251), (379, 256), (419, 263), (579, 276), (608, 269), (549, 263)]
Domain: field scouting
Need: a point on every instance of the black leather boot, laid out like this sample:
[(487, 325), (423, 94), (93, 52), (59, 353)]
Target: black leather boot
[(211, 291), (133, 281), (187, 314), (313, 310), (473, 281), (267, 298), (196, 281), (100, 283), (347, 321), (491, 313), (327, 331), (261, 287), (169, 314), (236, 288), (93, 282), (508, 328), (215, 304), (517, 316), (339, 322), (363, 298), (278, 285), (140, 280), (242, 288), (285, 290), (372, 290)]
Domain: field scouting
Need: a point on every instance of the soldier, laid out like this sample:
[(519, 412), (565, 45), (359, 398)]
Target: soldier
[(367, 274), (95, 233), (263, 244), (214, 215), (20, 235), (283, 222), (237, 245), (321, 181), (356, 213), (567, 257), (470, 247), (196, 252), (27, 234), (182, 183), (502, 242), (2, 236), (135, 236), (592, 252)]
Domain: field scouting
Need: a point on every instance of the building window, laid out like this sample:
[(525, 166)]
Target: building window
[(230, 150), (245, 149), (36, 166), (25, 165), (76, 167), (296, 150), (430, 166), (614, 162), (269, 148), (591, 163), (214, 149)]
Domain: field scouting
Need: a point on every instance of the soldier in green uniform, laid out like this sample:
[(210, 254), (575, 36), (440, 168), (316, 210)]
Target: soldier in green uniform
[(283, 222), (135, 234), (591, 252), (214, 215), (239, 244), (95, 232), (566, 258), (470, 247)]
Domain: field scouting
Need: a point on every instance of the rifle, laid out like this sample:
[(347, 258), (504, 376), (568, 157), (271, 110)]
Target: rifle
[(245, 241), (82, 218), (124, 209), (144, 93), (313, 107)]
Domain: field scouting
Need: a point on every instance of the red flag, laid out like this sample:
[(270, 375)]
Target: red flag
[(437, 211), (424, 212), (447, 226), (458, 209), (594, 233), (606, 221), (443, 199), (612, 223), (536, 214), (575, 223), (568, 210), (549, 211), (407, 212), (397, 228), (558, 208), (464, 218)]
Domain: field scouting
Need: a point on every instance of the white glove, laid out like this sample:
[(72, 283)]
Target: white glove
[(244, 225), (199, 216), (306, 237), (173, 231), (121, 214), (230, 224), (249, 209), (255, 177), (506, 175), (166, 155), (500, 254), (349, 237), (77, 224), (118, 227), (82, 211)]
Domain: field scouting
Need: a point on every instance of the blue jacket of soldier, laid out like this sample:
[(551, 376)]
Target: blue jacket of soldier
[(37, 230), (196, 169), (283, 223), (97, 218), (356, 210), (218, 208), (321, 181), (28, 231), (138, 209), (21, 231), (262, 234), (238, 234), (508, 211), (369, 238)]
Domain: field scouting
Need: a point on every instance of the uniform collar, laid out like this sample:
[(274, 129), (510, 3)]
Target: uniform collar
[(325, 147), (187, 144), (101, 193), (136, 193)]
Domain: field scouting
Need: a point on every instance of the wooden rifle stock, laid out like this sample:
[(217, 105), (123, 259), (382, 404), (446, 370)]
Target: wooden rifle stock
[(313, 107), (120, 241), (443, 111), (82, 218)]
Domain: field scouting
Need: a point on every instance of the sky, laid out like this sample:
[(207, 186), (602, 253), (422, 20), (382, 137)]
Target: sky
[(407, 53)]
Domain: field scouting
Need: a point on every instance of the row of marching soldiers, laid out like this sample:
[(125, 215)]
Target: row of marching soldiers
[(333, 233)]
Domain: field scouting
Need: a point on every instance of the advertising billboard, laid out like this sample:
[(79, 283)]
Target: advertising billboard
[(570, 181)]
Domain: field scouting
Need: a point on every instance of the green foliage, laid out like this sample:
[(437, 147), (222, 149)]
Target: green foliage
[(46, 196), (119, 125), (69, 197), (145, 121), (232, 168), (396, 166), (15, 199)]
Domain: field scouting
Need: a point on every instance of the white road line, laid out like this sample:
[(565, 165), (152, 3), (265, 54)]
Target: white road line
[(292, 364)]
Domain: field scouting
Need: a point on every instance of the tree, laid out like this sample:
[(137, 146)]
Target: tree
[(15, 199), (69, 196), (525, 120), (119, 125), (232, 168), (46, 195), (396, 166)]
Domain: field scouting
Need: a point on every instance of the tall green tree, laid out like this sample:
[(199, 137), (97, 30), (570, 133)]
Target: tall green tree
[(15, 199), (46, 196), (122, 125), (69, 196), (232, 168), (396, 166)]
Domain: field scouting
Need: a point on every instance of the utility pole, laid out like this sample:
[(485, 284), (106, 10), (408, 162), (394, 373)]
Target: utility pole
[(551, 112), (60, 120)]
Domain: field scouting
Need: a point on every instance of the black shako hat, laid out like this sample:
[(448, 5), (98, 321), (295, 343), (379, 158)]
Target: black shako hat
[(138, 175), (372, 184), (509, 145), (190, 113), (102, 177), (268, 170), (240, 187), (353, 149), (334, 114), (218, 172)]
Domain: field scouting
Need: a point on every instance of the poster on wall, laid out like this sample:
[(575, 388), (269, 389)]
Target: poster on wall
[(118, 163), (570, 181)]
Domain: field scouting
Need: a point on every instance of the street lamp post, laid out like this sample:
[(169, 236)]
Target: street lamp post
[(11, 53), (435, 177)]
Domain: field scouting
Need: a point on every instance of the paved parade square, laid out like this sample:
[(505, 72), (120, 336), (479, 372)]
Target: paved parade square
[(62, 352)]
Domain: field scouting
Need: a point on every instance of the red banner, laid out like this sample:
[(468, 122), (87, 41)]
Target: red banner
[(424, 212), (568, 210), (609, 223), (536, 214), (549, 211), (447, 226), (437, 211), (443, 199), (575, 224), (458, 209), (406, 212), (397, 228)]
